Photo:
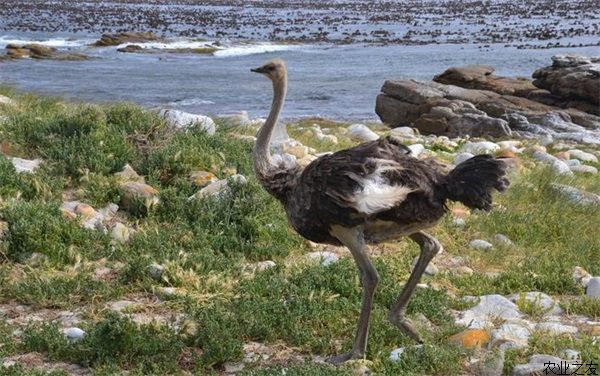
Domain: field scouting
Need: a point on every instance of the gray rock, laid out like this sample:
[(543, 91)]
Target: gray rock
[(583, 156), (362, 133), (555, 328), (480, 244), (25, 165), (593, 288), (481, 147), (431, 269), (461, 157), (218, 187), (540, 364), (539, 299), (459, 222), (511, 335), (396, 354), (156, 271), (570, 354), (557, 165), (584, 169), (489, 308), (581, 276), (74, 334), (576, 195), (416, 149), (166, 292), (261, 265), (503, 240), (571, 78)]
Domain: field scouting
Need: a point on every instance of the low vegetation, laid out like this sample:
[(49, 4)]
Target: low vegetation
[(297, 309)]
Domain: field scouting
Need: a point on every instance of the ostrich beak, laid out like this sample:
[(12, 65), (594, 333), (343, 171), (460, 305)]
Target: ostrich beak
[(258, 70)]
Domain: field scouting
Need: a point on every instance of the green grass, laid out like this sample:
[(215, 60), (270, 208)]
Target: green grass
[(205, 244)]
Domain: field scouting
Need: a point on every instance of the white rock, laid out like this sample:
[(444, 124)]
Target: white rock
[(584, 169), (183, 120), (461, 157), (4, 100), (480, 244), (581, 276), (74, 333), (25, 165), (459, 222), (404, 132), (511, 145), (261, 265), (570, 354), (539, 299), (555, 328), (489, 308), (166, 292), (583, 156), (593, 288), (431, 268), (573, 162), (239, 119), (416, 149), (558, 166), (396, 354), (362, 133), (326, 258), (511, 335), (481, 147)]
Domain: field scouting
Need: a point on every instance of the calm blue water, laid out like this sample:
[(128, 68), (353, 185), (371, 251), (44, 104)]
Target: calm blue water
[(332, 81)]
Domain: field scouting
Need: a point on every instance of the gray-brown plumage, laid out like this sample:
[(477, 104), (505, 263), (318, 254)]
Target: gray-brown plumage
[(373, 192)]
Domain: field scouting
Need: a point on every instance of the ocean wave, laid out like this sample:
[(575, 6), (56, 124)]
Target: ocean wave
[(251, 49), (50, 42), (172, 45)]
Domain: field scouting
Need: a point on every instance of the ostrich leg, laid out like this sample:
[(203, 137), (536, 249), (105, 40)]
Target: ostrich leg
[(353, 239), (429, 248)]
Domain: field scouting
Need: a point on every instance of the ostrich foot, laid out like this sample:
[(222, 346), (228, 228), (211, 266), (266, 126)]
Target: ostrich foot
[(339, 359), (407, 327)]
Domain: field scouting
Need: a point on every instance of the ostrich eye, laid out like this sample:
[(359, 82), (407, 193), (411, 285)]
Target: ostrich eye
[(271, 68)]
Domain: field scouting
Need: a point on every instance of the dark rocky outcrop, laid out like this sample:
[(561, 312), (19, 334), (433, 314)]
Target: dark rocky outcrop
[(443, 109), (573, 81), (127, 37), (481, 77), (38, 51)]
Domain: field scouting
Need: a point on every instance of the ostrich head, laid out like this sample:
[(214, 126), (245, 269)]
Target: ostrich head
[(274, 69)]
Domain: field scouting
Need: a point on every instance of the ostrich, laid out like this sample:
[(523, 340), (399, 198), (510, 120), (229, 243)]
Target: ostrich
[(367, 194)]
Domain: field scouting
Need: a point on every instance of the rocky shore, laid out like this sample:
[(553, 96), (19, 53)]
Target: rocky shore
[(561, 103)]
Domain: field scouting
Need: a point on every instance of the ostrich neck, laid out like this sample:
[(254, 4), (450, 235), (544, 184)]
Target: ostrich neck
[(262, 154)]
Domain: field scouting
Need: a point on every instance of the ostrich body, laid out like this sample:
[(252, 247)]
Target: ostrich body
[(376, 191)]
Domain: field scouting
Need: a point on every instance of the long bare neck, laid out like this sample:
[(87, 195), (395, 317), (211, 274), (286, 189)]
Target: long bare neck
[(262, 154)]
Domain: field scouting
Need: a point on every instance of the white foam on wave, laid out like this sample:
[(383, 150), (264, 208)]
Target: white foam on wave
[(250, 49), (50, 42), (171, 45)]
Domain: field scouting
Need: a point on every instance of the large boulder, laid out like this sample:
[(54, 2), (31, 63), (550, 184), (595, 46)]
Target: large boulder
[(126, 37), (573, 79), (481, 77)]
